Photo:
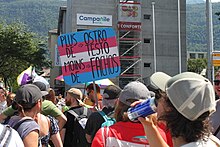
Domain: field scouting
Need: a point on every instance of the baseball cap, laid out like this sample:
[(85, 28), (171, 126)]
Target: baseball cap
[(134, 91), (191, 94), (158, 80), (111, 92), (76, 93), (43, 88), (27, 95)]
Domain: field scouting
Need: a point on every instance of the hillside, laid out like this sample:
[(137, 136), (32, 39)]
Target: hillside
[(39, 15), (194, 1), (196, 27)]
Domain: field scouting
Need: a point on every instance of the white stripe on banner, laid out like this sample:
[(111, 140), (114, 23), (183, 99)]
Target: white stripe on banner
[(86, 58)]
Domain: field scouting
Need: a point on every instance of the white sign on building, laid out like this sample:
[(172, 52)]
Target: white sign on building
[(94, 19), (129, 13)]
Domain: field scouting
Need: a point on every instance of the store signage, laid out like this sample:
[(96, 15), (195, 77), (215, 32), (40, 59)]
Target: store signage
[(129, 26), (129, 12), (94, 19), (216, 58), (89, 55)]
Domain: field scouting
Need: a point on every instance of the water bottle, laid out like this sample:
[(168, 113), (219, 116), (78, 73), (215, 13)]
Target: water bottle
[(143, 109)]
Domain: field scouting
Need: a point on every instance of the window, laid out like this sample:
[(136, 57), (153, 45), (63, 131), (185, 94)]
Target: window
[(200, 55), (147, 64), (147, 40), (79, 30), (192, 55), (147, 16)]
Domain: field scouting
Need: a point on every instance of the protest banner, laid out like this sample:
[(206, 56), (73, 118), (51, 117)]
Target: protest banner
[(89, 55)]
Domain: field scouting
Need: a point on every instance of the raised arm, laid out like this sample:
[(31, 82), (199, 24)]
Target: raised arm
[(152, 133)]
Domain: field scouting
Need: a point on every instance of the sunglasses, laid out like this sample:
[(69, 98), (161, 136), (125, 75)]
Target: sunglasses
[(216, 82)]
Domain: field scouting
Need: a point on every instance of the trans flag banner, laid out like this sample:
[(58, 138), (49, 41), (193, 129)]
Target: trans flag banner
[(89, 55)]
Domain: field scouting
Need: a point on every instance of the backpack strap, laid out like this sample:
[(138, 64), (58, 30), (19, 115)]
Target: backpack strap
[(105, 131), (217, 130), (5, 136), (74, 113), (110, 114), (17, 125), (103, 115), (215, 140), (85, 110)]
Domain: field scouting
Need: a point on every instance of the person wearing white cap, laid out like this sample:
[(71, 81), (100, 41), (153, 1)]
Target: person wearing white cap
[(215, 116), (188, 103)]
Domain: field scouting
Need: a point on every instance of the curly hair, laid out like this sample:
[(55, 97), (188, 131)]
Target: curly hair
[(180, 126)]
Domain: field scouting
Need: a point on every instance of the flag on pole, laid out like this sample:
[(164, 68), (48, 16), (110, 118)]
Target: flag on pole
[(25, 76)]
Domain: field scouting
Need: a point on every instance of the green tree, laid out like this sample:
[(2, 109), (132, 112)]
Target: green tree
[(18, 50), (196, 65)]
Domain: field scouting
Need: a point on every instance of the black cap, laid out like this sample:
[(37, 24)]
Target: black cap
[(27, 95), (111, 92)]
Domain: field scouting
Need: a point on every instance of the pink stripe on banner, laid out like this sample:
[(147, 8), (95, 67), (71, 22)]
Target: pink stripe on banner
[(81, 46), (86, 66)]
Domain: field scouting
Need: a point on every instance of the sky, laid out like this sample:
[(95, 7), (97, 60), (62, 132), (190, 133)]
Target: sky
[(214, 1)]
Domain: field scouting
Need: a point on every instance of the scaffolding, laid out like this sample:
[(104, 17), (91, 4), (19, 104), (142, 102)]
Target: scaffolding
[(130, 48)]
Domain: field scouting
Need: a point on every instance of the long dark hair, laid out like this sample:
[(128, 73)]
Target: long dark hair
[(121, 112), (180, 126)]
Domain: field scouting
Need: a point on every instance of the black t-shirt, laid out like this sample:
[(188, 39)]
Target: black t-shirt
[(75, 134), (95, 121)]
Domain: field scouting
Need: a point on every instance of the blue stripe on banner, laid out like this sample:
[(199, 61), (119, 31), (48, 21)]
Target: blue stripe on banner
[(72, 38), (88, 76)]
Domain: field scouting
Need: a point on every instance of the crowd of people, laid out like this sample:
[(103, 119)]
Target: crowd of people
[(187, 109)]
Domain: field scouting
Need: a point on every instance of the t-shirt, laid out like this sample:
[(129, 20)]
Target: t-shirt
[(95, 121), (25, 128), (15, 140), (74, 130), (200, 143), (124, 134), (48, 108), (215, 119), (167, 132)]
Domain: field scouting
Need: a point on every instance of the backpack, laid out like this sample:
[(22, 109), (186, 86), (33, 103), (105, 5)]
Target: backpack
[(108, 120), (17, 125), (82, 119), (4, 136)]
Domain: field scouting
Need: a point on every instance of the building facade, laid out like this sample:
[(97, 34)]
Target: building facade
[(148, 33)]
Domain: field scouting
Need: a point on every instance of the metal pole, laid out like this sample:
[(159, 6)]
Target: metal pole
[(154, 38), (210, 38), (179, 36)]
